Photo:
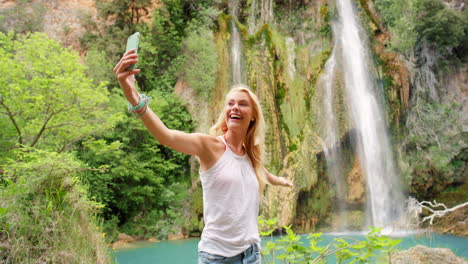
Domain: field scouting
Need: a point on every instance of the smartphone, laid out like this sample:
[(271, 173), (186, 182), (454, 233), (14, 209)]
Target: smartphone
[(132, 43)]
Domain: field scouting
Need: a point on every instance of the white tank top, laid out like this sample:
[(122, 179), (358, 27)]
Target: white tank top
[(230, 205)]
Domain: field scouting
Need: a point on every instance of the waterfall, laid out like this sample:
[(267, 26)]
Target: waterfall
[(330, 138), (290, 47), (235, 45), (266, 15), (384, 196), (261, 12), (252, 20)]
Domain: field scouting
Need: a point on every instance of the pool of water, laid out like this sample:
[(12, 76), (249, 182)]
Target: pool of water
[(185, 251)]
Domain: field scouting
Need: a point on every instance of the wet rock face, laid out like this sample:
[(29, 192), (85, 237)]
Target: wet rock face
[(125, 238), (456, 84), (424, 255), (356, 185)]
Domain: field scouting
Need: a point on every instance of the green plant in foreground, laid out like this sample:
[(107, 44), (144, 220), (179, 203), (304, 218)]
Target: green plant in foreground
[(290, 248)]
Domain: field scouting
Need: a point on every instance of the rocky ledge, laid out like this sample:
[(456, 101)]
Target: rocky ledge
[(425, 255)]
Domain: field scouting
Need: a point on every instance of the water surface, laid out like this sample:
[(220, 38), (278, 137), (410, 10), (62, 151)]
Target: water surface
[(185, 251)]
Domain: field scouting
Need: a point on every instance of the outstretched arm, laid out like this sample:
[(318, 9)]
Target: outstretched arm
[(275, 180), (192, 144)]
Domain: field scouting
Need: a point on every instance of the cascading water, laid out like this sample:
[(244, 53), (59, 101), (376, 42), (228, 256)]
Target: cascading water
[(266, 15), (261, 12), (384, 196), (290, 46), (252, 20), (235, 46), (330, 138)]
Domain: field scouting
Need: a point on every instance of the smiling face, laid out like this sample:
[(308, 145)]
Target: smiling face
[(239, 111)]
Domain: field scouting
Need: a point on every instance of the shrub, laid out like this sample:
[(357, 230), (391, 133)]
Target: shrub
[(200, 60), (45, 216), (136, 179), (24, 17), (290, 248), (430, 146)]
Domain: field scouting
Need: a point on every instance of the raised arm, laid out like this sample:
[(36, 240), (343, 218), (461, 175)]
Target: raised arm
[(275, 180), (193, 144)]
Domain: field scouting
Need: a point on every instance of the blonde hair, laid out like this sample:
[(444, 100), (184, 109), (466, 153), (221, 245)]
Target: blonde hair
[(255, 138)]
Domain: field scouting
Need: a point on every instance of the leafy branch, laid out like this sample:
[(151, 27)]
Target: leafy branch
[(345, 248), (11, 116)]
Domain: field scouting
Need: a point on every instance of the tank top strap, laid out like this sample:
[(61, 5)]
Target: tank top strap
[(224, 141)]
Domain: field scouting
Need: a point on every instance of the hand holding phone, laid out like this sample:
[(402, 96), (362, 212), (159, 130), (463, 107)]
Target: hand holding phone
[(132, 43)]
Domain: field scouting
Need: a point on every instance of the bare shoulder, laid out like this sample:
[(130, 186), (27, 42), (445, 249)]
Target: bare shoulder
[(210, 142), (213, 147), (213, 150)]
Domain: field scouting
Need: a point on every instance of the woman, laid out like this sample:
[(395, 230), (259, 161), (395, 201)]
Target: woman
[(231, 168)]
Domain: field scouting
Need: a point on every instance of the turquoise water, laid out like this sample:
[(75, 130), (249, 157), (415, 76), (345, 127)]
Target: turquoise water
[(185, 251)]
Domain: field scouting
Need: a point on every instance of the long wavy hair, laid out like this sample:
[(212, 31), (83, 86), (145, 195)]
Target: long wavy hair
[(255, 138)]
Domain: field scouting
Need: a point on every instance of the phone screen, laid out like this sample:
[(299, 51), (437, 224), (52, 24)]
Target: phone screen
[(132, 43)]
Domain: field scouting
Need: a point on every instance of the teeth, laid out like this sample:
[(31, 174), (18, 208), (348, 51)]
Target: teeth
[(235, 116)]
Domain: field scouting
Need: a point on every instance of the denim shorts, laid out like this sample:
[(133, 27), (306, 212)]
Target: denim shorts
[(249, 256)]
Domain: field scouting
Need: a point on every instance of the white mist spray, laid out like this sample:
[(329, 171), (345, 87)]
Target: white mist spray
[(235, 46)]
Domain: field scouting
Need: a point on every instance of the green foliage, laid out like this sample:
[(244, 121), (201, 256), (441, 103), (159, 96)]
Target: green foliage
[(200, 60), (416, 21), (390, 11), (194, 225), (325, 29), (45, 216), (47, 104), (439, 24), (99, 68), (430, 146), (161, 39), (122, 18), (42, 86), (160, 51), (155, 223), (428, 34), (162, 43), (23, 17), (138, 180), (291, 17), (124, 12), (197, 201), (453, 195), (290, 248), (315, 203)]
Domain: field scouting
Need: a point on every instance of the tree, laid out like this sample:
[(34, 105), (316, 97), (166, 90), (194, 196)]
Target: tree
[(23, 17), (122, 19), (416, 208), (162, 42), (142, 181), (47, 104), (46, 100), (415, 22), (124, 12)]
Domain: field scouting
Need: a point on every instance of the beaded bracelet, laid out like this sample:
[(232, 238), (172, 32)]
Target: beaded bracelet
[(142, 111), (140, 108)]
